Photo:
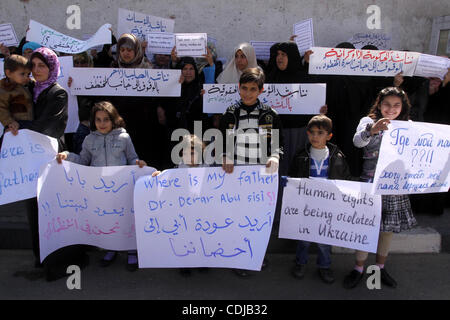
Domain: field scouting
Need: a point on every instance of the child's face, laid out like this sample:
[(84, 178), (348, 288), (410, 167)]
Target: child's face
[(318, 137), (391, 107), (188, 72), (282, 60), (240, 60), (20, 76), (126, 54), (249, 92), (102, 122)]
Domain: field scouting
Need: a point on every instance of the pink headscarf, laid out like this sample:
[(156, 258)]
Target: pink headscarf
[(52, 62)]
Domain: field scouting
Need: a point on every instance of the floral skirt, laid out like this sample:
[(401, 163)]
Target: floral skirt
[(396, 215)]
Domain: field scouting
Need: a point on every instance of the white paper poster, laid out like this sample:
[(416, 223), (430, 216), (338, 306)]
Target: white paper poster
[(262, 49), (66, 65), (87, 205), (304, 35), (57, 41), (141, 24), (125, 82), (203, 217), (191, 44), (414, 158), (299, 98), (20, 159), (8, 35), (362, 62), (333, 212), (160, 43), (430, 66)]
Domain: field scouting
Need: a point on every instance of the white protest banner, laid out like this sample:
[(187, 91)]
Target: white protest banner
[(66, 65), (304, 35), (8, 35), (334, 212), (160, 43), (141, 24), (362, 62), (298, 98), (414, 158), (87, 205), (432, 66), (20, 159), (125, 82), (191, 44), (203, 217), (379, 40), (57, 41), (262, 49)]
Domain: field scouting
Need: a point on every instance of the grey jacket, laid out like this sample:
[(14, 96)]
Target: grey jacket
[(370, 144), (102, 150)]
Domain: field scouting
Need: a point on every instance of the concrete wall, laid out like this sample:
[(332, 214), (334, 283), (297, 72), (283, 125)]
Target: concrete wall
[(409, 22)]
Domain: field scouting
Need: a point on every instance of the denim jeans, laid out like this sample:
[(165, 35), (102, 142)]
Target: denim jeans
[(323, 257)]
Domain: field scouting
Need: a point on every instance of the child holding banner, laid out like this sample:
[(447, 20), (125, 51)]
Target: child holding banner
[(319, 159), (391, 104), (256, 128), (107, 145)]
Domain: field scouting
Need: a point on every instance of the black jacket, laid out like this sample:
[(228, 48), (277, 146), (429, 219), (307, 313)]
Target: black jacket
[(268, 120), (337, 167)]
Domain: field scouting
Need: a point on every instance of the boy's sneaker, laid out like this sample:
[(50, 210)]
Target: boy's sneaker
[(108, 259), (326, 274), (352, 279), (387, 279), (299, 271), (132, 263)]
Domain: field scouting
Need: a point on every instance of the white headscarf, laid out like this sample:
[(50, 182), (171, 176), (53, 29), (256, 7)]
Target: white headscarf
[(231, 73)]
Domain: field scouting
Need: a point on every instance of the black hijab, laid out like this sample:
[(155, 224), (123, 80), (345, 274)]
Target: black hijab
[(293, 73)]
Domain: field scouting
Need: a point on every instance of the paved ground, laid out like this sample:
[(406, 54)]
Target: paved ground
[(420, 276)]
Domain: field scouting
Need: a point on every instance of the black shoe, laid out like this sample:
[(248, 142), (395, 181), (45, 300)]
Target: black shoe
[(133, 264), (299, 271), (108, 259), (241, 273), (326, 274), (185, 272), (352, 279), (387, 279)]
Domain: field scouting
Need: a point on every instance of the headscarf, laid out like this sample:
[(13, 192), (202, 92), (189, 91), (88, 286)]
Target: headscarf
[(231, 74), (50, 58), (84, 58), (30, 45), (292, 74), (130, 41)]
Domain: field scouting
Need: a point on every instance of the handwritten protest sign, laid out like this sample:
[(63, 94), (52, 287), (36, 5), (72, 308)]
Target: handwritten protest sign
[(191, 44), (362, 62), (57, 41), (432, 66), (262, 49), (8, 35), (299, 98), (334, 212), (87, 205), (414, 158), (304, 35), (125, 82), (160, 43), (203, 217), (380, 40), (141, 24), (20, 159), (66, 65)]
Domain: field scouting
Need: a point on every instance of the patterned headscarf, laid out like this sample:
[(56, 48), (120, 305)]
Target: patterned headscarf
[(50, 58), (132, 42)]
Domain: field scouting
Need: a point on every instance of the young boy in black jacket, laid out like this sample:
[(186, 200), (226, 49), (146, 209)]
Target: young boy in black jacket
[(319, 159)]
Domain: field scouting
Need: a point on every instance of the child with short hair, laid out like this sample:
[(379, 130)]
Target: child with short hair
[(15, 100), (319, 159), (107, 131), (251, 123)]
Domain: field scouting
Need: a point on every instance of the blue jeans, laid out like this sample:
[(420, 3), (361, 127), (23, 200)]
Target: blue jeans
[(323, 258)]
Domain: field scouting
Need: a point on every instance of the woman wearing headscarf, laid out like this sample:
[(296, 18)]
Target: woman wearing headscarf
[(28, 49), (139, 113), (49, 118), (244, 57)]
